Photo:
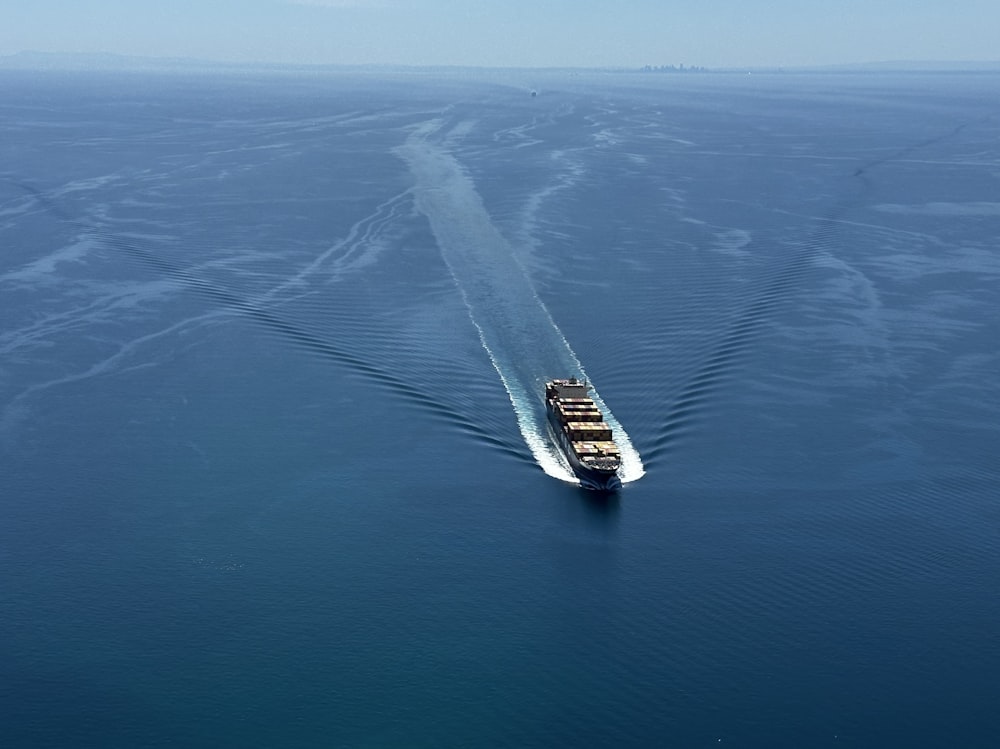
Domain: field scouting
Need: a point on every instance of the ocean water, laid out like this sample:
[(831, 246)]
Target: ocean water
[(272, 467)]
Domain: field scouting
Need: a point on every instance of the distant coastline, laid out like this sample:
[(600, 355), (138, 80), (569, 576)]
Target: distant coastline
[(109, 62)]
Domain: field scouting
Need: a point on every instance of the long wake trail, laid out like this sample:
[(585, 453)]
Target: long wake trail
[(517, 331)]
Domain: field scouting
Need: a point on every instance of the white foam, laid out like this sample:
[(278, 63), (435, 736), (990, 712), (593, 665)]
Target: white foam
[(978, 208), (45, 266), (523, 342)]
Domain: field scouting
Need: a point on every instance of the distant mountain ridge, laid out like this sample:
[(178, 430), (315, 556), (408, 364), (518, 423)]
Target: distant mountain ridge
[(915, 66), (109, 61)]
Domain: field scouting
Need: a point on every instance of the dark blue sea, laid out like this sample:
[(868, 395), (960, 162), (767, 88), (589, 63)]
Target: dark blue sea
[(273, 465)]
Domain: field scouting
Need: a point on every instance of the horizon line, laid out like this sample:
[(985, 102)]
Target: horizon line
[(95, 58)]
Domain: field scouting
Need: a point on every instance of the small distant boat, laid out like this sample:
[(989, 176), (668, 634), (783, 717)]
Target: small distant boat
[(582, 434)]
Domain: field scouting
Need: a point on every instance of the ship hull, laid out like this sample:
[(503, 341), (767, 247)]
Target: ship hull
[(590, 478)]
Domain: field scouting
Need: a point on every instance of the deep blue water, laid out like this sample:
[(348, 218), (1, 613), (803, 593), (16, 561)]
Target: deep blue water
[(272, 471)]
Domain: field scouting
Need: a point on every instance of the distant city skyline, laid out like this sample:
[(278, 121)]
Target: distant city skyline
[(558, 33)]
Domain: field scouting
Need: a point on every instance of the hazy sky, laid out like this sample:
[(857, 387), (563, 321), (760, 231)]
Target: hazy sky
[(713, 33)]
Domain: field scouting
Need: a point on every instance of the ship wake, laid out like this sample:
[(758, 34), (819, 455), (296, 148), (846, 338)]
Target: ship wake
[(517, 331)]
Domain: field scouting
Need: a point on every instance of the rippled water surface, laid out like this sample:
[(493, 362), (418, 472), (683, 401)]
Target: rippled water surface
[(274, 463)]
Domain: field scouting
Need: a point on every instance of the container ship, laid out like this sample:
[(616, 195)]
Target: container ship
[(583, 435)]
